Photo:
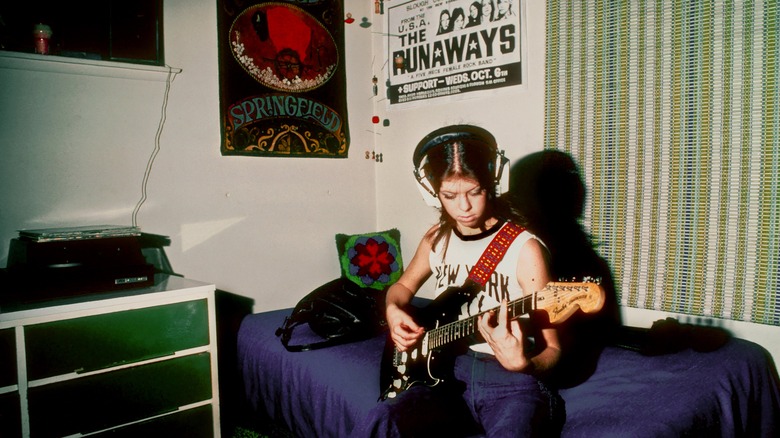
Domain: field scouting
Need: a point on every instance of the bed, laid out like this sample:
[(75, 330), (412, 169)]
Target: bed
[(732, 391)]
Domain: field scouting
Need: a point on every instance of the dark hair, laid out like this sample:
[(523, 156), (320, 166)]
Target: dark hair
[(492, 15), (442, 29), (458, 12), (469, 152), (461, 158)]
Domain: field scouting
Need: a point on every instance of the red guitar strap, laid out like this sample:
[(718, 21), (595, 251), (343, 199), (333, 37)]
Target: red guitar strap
[(494, 252)]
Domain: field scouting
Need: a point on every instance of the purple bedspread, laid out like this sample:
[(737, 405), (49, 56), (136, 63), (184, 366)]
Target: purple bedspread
[(729, 392)]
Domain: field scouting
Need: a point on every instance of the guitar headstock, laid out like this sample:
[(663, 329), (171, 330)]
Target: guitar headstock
[(561, 299)]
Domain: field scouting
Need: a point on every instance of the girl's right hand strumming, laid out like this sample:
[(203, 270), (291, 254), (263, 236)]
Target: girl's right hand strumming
[(404, 332)]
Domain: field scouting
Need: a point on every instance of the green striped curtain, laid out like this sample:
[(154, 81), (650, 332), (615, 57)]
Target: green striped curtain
[(672, 110)]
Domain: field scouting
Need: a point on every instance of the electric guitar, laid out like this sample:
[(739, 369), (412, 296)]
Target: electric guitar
[(428, 362)]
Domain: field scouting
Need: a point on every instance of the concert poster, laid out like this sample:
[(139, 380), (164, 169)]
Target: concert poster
[(447, 48), (282, 78)]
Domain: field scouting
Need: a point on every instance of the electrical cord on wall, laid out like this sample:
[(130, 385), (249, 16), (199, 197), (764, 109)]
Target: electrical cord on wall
[(150, 163)]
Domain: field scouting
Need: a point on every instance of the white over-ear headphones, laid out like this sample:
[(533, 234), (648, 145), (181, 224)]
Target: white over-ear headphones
[(449, 135)]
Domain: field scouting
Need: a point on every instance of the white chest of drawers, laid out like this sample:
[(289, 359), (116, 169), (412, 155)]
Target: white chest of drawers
[(130, 363)]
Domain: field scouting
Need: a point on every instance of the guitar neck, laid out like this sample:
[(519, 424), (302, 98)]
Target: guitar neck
[(559, 299), (462, 328)]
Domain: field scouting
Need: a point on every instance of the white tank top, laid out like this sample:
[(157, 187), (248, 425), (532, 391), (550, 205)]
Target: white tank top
[(461, 255)]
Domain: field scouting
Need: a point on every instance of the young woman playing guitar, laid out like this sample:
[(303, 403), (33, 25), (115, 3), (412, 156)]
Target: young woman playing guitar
[(497, 385)]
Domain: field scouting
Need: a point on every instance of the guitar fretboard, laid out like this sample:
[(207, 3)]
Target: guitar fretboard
[(462, 328), (556, 297)]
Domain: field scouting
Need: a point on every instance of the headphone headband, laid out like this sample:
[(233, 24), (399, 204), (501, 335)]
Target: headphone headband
[(450, 134)]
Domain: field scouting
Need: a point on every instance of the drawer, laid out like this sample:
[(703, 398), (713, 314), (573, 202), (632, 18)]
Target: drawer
[(10, 415), (7, 358), (105, 400), (191, 423), (101, 341)]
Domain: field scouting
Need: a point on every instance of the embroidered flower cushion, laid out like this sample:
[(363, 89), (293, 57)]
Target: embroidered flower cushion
[(371, 259)]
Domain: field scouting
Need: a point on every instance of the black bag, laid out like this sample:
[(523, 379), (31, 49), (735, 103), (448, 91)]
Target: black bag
[(339, 311)]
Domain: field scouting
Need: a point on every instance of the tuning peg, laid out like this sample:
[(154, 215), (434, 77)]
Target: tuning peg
[(589, 279)]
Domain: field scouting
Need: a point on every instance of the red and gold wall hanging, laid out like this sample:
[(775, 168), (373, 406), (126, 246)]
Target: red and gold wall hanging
[(282, 79)]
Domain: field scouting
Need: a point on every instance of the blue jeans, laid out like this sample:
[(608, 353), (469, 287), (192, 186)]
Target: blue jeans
[(506, 403), (484, 399)]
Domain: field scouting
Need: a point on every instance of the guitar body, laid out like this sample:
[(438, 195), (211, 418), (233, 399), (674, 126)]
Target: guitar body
[(421, 365), (430, 360)]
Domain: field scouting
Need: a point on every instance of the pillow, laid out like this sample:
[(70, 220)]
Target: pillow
[(372, 259)]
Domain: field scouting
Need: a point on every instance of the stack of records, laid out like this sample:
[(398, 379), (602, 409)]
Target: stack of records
[(79, 233)]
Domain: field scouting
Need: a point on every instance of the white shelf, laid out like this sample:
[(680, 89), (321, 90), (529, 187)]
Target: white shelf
[(84, 67)]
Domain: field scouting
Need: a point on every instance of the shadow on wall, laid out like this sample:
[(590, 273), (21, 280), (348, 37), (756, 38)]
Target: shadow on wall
[(548, 189)]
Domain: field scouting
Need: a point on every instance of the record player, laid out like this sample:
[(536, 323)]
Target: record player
[(52, 264)]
